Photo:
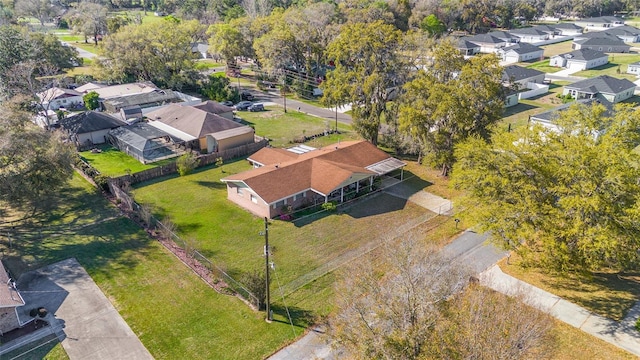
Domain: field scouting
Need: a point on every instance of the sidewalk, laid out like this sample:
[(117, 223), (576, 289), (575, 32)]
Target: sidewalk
[(621, 334)]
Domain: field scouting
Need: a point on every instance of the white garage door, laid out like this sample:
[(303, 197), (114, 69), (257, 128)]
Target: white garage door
[(576, 67)]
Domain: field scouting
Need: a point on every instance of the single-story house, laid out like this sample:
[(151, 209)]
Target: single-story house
[(634, 68), (582, 59), (55, 98), (511, 97), (213, 107), (144, 142), (468, 48), (603, 87), (156, 97), (548, 29), (284, 181), (488, 44), (530, 34), (90, 127), (628, 34), (568, 29), (520, 52), (114, 91), (600, 23), (604, 44), (200, 129), (504, 36), (548, 118), (10, 300), (514, 74), (88, 87)]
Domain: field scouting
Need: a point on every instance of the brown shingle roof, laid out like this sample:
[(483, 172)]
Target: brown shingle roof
[(193, 121), (213, 107), (322, 170)]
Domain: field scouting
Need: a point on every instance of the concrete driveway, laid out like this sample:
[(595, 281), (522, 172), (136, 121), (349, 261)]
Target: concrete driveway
[(80, 314)]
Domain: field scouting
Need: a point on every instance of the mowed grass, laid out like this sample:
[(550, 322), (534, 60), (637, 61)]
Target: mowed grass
[(607, 294), (518, 115), (174, 313), (113, 162), (572, 343), (543, 65), (283, 128), (229, 235), (617, 67), (557, 48)]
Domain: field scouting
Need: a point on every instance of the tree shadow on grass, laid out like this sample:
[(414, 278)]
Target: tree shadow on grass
[(521, 107), (300, 317), (212, 184)]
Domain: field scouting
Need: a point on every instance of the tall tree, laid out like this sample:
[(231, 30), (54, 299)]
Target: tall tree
[(409, 302), (369, 63), (43, 10), (565, 198), (451, 100), (34, 163), (89, 19)]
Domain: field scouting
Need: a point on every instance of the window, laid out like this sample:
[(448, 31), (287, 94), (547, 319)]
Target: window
[(304, 194), (64, 101), (240, 191), (285, 201), (254, 199), (295, 197)]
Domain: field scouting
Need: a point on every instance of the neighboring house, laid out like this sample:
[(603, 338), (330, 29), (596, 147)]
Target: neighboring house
[(468, 48), (511, 97), (107, 92), (549, 118), (144, 142), (520, 52), (88, 87), (201, 49), (285, 181), (530, 34), (603, 87), (55, 98), (628, 34), (568, 29), (600, 23), (200, 129), (156, 97), (10, 300), (514, 74), (213, 107), (548, 29), (582, 59), (604, 44), (90, 127), (504, 36), (488, 44), (634, 68)]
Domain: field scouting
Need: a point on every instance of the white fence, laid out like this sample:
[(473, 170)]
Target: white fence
[(534, 90)]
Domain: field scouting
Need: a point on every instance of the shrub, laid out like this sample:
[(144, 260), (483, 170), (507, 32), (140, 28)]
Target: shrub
[(638, 324), (102, 181), (329, 206), (254, 281), (91, 101), (186, 163)]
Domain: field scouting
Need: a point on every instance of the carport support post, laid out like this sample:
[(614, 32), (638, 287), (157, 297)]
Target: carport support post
[(266, 261)]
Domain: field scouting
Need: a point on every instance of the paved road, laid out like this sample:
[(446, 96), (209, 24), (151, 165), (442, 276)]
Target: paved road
[(82, 52), (470, 249)]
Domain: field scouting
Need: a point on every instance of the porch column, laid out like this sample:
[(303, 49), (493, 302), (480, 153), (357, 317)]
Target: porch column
[(342, 194), (326, 199), (357, 186), (401, 174), (370, 183)]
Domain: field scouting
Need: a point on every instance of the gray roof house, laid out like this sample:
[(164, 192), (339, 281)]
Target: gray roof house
[(600, 23), (628, 34), (603, 87), (144, 142), (513, 74), (90, 127), (634, 68), (548, 118), (604, 44), (143, 100), (468, 48), (582, 59), (568, 29), (201, 49), (520, 52), (488, 44), (530, 34), (548, 29)]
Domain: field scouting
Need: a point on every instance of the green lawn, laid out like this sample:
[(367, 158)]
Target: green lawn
[(617, 67), (204, 64), (113, 162), (557, 48), (543, 65), (175, 314), (282, 128)]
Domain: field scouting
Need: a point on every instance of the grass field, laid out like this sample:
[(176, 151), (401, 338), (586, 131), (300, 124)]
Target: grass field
[(607, 294), (557, 48), (543, 65), (282, 128), (113, 162), (617, 67), (174, 313), (518, 115)]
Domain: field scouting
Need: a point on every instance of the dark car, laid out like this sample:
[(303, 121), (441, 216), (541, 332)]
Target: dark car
[(243, 105), (245, 95), (227, 103), (256, 107)]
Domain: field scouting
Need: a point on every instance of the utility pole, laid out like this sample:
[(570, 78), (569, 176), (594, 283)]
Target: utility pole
[(266, 261), (336, 117)]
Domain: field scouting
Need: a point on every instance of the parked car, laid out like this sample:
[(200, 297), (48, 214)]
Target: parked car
[(227, 103), (245, 95), (256, 107), (243, 105)]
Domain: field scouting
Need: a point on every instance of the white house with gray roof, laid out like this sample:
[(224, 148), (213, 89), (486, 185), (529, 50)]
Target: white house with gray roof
[(530, 34), (520, 52), (634, 68), (600, 23), (604, 87), (608, 44), (514, 74), (582, 59), (628, 34), (568, 29)]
